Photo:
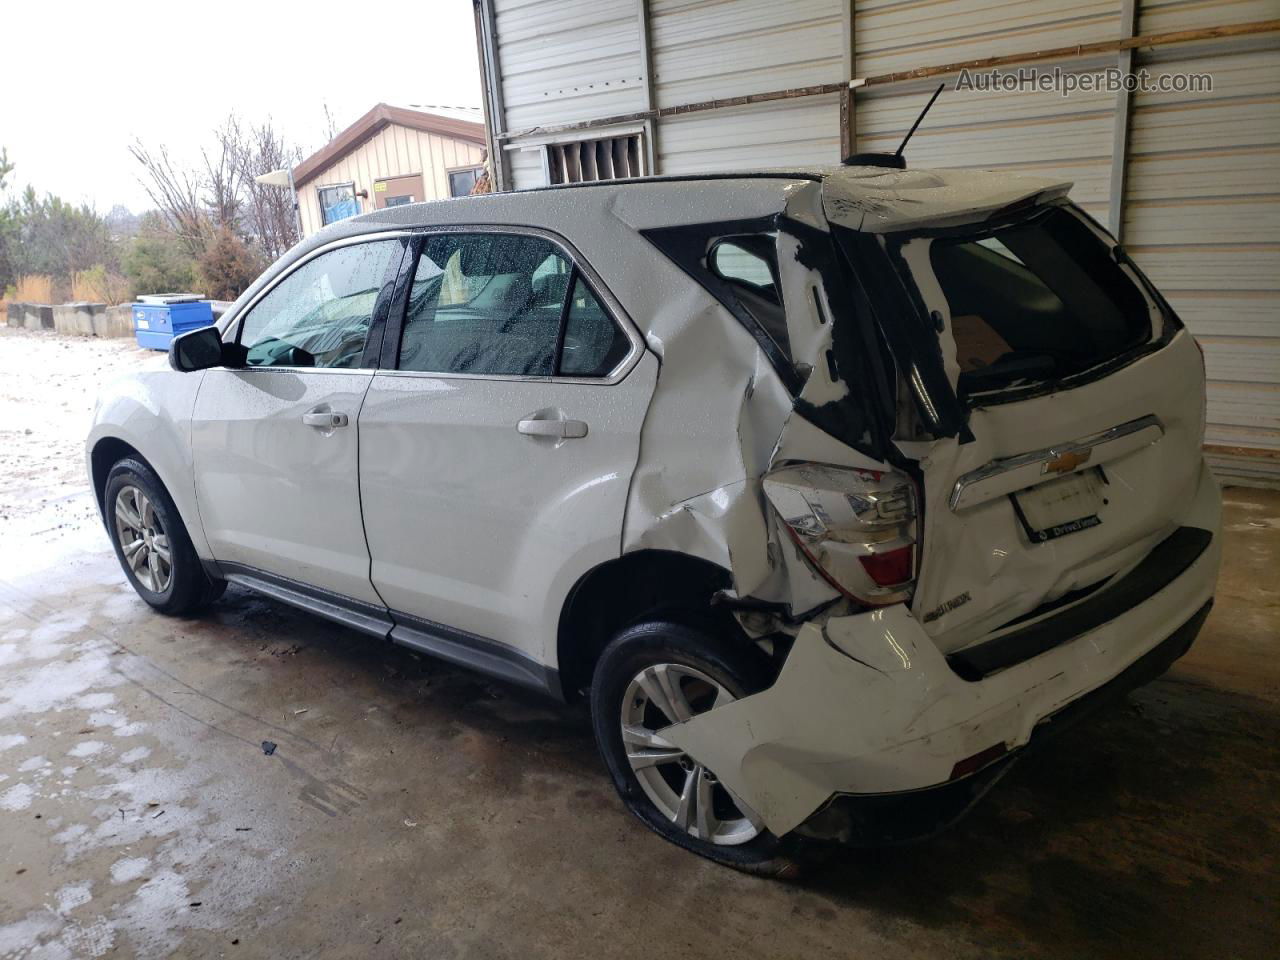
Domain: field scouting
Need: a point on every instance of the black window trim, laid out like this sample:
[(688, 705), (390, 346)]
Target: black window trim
[(578, 267)]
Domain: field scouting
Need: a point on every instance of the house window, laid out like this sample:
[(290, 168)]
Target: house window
[(461, 181), (337, 202), (586, 161)]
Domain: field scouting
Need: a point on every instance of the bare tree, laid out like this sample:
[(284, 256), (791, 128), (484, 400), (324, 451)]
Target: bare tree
[(224, 196), (330, 125), (224, 175), (177, 195), (269, 211)]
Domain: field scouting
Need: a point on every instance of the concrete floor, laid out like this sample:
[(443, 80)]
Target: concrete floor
[(414, 810)]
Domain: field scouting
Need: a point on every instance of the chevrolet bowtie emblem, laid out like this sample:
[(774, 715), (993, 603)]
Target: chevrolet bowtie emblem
[(1066, 462)]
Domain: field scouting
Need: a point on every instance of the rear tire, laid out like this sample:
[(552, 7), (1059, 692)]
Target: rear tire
[(648, 671), (152, 543)]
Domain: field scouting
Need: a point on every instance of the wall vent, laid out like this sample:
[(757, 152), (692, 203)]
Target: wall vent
[(589, 161)]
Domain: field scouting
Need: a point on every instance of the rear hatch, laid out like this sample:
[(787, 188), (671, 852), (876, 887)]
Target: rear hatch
[(1052, 409)]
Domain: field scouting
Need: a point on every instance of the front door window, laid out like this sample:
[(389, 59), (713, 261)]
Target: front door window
[(319, 315)]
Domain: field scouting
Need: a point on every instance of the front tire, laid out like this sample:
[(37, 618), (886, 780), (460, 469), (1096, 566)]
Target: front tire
[(151, 542), (657, 673)]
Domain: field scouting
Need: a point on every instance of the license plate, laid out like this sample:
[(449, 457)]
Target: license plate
[(1066, 505)]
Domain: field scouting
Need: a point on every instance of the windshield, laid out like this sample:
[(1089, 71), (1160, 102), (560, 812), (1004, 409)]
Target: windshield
[(1038, 300)]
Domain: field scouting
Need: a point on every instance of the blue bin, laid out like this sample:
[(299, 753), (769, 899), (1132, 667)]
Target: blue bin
[(158, 319)]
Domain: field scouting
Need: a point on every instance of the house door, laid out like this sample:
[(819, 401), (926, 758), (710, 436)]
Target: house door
[(394, 191)]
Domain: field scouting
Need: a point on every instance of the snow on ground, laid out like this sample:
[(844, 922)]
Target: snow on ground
[(48, 386)]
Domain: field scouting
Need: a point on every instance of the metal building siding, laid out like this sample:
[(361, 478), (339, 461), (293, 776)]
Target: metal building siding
[(1023, 132), (568, 60), (1202, 216), (526, 169), (1160, 16), (393, 151), (706, 51), (892, 35), (777, 134)]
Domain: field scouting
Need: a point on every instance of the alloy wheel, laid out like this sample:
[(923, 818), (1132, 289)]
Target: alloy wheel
[(143, 540), (683, 790)]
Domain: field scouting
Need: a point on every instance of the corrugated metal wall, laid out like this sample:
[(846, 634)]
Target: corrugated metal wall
[(703, 51), (565, 58), (1201, 205), (892, 35), (394, 151), (1202, 216), (1022, 132)]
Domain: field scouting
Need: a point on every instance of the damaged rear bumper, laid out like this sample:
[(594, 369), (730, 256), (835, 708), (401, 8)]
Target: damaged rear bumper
[(884, 819), (869, 724)]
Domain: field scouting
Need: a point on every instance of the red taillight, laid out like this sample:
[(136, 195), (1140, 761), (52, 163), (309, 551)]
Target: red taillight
[(891, 568), (858, 527)]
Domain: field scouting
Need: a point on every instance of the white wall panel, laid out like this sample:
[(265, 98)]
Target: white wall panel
[(1162, 16), (729, 48), (1202, 217), (777, 134), (893, 35), (1031, 132), (526, 168), (568, 60)]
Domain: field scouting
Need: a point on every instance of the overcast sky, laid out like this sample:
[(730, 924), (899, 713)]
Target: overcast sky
[(80, 80)]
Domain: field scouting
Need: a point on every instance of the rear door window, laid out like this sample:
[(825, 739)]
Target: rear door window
[(497, 304)]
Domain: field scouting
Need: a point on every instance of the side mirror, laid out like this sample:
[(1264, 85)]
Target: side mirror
[(196, 350)]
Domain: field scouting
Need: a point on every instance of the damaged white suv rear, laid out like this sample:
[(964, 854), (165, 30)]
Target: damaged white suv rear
[(834, 491)]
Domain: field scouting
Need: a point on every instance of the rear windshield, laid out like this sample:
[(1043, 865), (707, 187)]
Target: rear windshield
[(1040, 300)]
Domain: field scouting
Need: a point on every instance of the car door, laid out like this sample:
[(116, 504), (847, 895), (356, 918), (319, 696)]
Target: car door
[(496, 457), (274, 441)]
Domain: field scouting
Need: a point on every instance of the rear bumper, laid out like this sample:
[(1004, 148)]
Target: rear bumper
[(867, 705), (890, 818)]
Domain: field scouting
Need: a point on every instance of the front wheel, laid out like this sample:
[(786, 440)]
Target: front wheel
[(658, 673), (151, 542)]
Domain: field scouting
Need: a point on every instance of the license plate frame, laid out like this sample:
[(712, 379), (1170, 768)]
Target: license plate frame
[(1062, 506)]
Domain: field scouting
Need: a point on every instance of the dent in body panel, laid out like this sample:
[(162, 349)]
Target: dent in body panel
[(867, 704), (722, 412)]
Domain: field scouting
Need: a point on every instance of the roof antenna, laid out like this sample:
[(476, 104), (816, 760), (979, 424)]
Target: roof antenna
[(902, 146)]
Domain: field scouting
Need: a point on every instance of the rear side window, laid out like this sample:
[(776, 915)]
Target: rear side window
[(1038, 300), (319, 315), (505, 305), (593, 345), (737, 263)]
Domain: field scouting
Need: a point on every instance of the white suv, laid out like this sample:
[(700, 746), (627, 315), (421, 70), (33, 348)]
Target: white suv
[(832, 490)]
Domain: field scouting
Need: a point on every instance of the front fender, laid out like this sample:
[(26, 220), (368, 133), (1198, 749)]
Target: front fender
[(151, 412)]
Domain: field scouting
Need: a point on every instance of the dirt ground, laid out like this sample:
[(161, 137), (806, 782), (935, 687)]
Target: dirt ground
[(411, 809)]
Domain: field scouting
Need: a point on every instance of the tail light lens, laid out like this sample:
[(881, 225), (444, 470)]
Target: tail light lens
[(858, 527)]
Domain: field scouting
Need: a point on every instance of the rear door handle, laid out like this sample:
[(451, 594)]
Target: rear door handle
[(560, 429), (328, 419)]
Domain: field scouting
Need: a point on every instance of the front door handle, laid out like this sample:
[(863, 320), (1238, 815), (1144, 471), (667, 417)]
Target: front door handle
[(327, 419), (559, 429)]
